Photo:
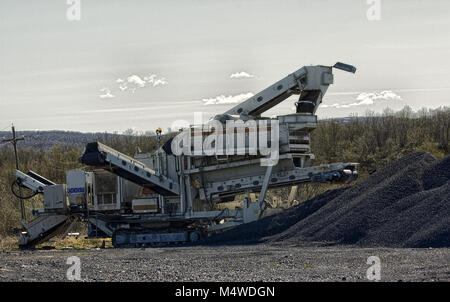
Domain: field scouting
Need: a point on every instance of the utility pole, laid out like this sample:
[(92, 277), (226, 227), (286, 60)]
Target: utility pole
[(14, 141)]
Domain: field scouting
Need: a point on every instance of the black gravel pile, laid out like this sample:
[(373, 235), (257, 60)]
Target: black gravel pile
[(405, 204), (254, 232)]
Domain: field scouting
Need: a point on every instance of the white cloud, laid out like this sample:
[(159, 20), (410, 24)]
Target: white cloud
[(106, 94), (241, 75), (228, 99), (150, 78), (136, 80), (335, 105), (370, 97), (161, 81), (155, 81), (367, 98), (133, 82)]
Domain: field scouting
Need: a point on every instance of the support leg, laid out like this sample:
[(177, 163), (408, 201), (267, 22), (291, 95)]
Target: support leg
[(264, 187), (292, 195)]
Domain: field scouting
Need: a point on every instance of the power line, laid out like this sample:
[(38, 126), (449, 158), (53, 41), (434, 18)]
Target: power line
[(5, 128), (10, 125)]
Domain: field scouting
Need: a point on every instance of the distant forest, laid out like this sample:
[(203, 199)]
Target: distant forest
[(372, 140)]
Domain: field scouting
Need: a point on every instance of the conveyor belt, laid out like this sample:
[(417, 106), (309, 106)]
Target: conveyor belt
[(310, 82), (33, 181), (99, 155)]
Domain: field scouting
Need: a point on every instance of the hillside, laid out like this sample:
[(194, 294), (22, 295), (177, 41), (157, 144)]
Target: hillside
[(48, 139)]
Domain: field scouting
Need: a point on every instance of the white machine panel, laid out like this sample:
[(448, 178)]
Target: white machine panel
[(55, 197), (76, 186)]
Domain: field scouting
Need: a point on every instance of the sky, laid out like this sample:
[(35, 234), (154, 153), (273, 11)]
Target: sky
[(146, 64)]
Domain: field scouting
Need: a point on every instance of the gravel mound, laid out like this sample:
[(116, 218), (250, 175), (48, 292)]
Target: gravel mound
[(405, 204), (437, 174), (254, 232)]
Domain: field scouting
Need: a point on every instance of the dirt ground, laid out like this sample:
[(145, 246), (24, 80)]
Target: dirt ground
[(228, 263)]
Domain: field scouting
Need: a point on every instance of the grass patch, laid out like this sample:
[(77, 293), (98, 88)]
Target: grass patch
[(8, 243), (79, 242)]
